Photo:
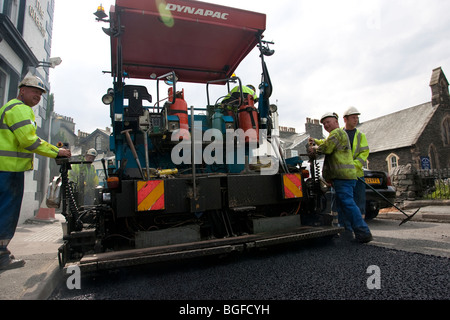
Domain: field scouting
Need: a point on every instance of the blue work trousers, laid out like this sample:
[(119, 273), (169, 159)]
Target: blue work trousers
[(349, 214), (360, 196), (11, 194)]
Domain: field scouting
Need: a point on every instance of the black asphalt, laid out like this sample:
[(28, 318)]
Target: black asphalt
[(334, 270)]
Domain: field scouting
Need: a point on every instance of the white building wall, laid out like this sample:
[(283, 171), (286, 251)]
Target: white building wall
[(37, 23), (13, 61), (37, 18), (34, 32), (7, 53)]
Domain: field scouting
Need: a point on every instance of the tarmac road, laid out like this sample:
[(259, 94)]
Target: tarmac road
[(38, 243), (335, 270), (430, 238)]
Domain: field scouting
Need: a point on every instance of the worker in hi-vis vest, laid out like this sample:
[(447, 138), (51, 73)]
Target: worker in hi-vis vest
[(360, 150), (85, 177), (234, 94), (339, 169), (18, 143)]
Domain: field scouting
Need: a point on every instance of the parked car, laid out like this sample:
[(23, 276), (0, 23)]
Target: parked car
[(378, 180), (381, 182)]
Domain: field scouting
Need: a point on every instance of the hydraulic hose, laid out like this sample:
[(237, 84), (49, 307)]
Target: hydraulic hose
[(69, 196)]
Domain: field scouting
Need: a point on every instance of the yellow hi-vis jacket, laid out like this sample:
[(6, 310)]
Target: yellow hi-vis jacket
[(338, 156), (360, 150), (245, 90), (84, 174), (18, 139)]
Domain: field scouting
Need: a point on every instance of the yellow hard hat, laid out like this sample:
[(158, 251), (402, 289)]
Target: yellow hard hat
[(33, 81)]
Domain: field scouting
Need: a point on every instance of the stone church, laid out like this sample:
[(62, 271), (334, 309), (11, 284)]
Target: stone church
[(418, 135)]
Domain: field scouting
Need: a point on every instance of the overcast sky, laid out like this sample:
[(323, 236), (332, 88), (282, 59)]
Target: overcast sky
[(376, 55)]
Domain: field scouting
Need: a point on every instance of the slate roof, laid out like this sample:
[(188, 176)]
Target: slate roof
[(292, 140), (397, 130)]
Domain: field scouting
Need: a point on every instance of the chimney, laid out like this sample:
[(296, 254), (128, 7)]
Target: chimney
[(314, 128)]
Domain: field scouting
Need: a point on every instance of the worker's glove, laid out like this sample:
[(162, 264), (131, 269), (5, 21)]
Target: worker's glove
[(312, 149)]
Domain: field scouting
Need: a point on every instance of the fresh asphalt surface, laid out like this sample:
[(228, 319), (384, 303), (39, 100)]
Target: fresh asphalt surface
[(320, 270)]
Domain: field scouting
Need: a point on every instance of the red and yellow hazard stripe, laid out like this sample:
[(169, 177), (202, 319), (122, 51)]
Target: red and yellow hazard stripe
[(292, 184), (150, 195)]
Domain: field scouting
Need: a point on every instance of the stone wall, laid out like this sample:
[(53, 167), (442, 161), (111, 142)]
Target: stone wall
[(406, 182), (377, 161)]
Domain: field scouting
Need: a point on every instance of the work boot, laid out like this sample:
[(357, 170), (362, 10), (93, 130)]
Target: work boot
[(8, 262), (363, 238), (347, 235)]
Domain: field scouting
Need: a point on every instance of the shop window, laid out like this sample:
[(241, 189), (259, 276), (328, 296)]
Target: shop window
[(9, 9), (2, 88)]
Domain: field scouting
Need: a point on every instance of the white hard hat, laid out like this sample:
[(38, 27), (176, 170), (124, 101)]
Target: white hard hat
[(91, 152), (327, 115), (33, 81), (350, 111)]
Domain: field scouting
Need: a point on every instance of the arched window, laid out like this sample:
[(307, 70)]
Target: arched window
[(392, 161), (445, 130), (98, 143), (432, 153), (444, 86)]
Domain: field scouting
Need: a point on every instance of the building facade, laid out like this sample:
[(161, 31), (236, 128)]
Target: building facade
[(26, 28), (98, 140), (295, 144), (419, 135)]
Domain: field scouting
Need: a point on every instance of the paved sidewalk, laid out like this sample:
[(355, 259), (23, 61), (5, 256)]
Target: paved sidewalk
[(429, 211), (37, 243)]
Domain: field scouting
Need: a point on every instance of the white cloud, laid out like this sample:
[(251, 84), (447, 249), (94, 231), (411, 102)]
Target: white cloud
[(78, 83), (376, 55)]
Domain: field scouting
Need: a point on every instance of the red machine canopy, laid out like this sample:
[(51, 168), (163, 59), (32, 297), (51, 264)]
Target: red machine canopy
[(199, 41)]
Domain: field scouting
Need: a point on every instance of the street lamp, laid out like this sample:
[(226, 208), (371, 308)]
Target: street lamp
[(51, 63)]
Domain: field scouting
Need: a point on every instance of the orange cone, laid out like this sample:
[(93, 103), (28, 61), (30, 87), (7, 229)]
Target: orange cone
[(45, 214)]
